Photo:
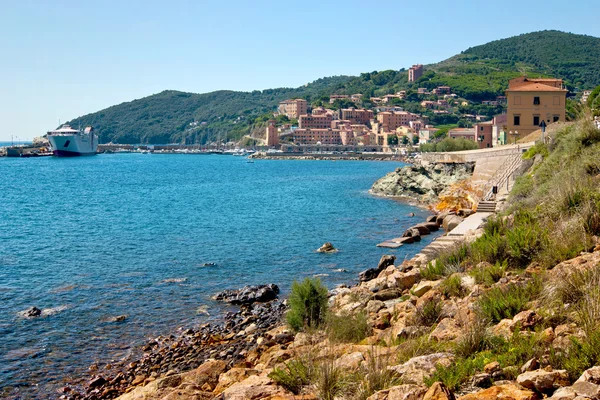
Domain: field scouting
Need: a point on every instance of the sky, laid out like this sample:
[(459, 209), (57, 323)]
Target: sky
[(60, 59)]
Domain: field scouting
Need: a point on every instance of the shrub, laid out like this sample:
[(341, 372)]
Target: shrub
[(330, 380), (294, 375), (499, 303), (446, 263), (581, 355), (429, 312), (308, 304), (458, 372), (452, 287), (348, 327), (488, 274), (375, 376), (474, 340)]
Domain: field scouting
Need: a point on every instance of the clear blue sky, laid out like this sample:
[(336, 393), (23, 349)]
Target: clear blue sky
[(61, 59)]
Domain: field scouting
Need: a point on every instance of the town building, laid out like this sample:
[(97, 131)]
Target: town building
[(335, 97), (531, 101), (320, 118), (464, 133), (491, 133), (585, 95), (389, 121), (442, 90), (415, 72), (317, 136), (357, 116), (272, 136), (293, 109)]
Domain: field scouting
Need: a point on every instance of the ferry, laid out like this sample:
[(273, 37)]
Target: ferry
[(69, 142)]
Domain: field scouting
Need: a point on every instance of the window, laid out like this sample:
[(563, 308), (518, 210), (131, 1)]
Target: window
[(517, 120), (536, 101), (536, 120), (555, 118)]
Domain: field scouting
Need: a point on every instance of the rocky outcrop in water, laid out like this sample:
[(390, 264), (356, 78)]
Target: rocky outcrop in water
[(423, 184), (249, 294)]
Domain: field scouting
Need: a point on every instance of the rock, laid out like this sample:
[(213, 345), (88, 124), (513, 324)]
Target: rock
[(591, 375), (431, 226), (350, 361), (118, 318), (234, 375), (543, 381), (482, 381), (368, 275), (401, 392), (249, 294), (504, 392), (432, 218), (404, 280), (530, 365), (411, 233), (374, 306), (464, 212), (421, 288), (438, 391), (387, 294), (586, 389), (423, 230), (408, 332), (31, 312), (527, 319), (138, 380), (451, 222), (327, 248), (422, 183), (566, 393), (446, 330), (492, 367), (253, 388), (403, 240), (417, 369), (385, 261), (97, 382)]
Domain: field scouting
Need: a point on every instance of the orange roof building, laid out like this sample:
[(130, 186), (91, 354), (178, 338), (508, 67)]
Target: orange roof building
[(533, 100)]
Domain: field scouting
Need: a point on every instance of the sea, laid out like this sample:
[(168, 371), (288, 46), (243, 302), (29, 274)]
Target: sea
[(154, 236)]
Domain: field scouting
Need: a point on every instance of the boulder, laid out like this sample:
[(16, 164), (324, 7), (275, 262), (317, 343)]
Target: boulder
[(404, 240), (417, 369), (438, 391), (422, 287), (505, 392), (543, 381), (385, 261), (249, 294), (446, 330), (432, 226), (423, 230), (253, 388), (387, 294), (374, 306), (412, 233), (327, 248), (527, 319), (431, 218), (566, 393), (368, 275), (587, 389), (591, 375), (482, 380), (530, 365), (451, 222), (464, 212), (234, 375), (31, 312), (401, 392), (492, 367)]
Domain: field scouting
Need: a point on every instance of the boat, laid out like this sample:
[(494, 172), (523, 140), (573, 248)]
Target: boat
[(69, 142)]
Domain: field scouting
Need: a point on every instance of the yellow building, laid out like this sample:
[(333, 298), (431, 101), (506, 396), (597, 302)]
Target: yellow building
[(531, 101)]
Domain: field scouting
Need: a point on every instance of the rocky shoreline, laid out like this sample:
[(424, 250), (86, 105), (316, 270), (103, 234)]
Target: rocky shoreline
[(232, 342), (422, 184)]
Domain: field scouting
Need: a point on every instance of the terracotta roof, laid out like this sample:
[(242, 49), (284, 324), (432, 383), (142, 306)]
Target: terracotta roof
[(535, 87)]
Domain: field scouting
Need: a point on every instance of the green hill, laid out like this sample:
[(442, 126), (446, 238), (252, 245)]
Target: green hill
[(479, 73)]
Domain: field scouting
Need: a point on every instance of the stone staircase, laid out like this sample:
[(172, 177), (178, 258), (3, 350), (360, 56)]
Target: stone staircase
[(486, 206), (503, 175)]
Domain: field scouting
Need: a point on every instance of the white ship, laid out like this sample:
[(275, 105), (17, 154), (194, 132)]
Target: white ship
[(69, 142)]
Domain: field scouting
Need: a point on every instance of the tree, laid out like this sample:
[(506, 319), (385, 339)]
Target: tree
[(392, 140), (308, 304)]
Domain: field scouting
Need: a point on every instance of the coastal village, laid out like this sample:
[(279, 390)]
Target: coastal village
[(385, 127)]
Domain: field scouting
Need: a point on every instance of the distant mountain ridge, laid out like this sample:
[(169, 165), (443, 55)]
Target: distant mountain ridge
[(478, 73)]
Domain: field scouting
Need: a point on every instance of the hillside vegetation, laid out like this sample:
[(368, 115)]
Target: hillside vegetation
[(479, 73)]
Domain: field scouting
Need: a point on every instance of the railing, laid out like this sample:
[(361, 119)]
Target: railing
[(510, 165)]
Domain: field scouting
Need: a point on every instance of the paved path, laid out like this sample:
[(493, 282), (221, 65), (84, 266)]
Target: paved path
[(465, 229)]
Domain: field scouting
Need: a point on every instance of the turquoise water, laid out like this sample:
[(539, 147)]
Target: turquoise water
[(95, 237)]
